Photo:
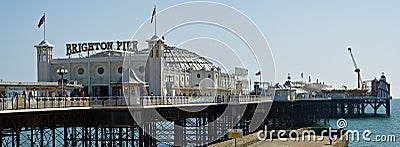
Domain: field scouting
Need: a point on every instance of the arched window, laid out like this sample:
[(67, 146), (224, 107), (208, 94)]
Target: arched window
[(120, 70), (156, 53)]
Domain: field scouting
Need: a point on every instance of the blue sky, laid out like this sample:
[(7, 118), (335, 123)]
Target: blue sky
[(309, 36)]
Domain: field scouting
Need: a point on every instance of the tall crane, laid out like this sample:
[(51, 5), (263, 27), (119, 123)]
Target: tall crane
[(357, 70)]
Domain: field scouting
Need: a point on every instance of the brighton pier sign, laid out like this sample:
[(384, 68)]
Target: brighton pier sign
[(76, 48)]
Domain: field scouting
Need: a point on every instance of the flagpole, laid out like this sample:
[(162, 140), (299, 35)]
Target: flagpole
[(155, 20), (260, 79), (44, 27)]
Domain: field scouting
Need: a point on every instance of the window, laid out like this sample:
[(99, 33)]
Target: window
[(120, 70), (209, 76), (100, 70), (156, 53), (141, 69), (198, 75), (81, 71)]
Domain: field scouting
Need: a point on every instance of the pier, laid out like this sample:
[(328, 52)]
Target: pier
[(85, 121)]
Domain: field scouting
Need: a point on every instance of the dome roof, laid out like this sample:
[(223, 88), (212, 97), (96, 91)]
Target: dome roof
[(155, 38), (185, 59), (44, 43), (383, 77), (107, 54)]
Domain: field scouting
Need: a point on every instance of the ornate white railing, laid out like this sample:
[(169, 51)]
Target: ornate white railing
[(63, 102)]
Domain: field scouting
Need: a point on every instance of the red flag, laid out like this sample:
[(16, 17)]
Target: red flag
[(258, 73), (41, 21), (154, 13)]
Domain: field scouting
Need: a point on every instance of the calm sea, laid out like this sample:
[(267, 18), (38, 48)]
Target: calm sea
[(378, 126)]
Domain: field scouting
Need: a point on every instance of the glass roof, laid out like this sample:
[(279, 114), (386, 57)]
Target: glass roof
[(181, 58)]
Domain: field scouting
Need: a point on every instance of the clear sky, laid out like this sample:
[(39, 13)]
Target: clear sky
[(309, 36)]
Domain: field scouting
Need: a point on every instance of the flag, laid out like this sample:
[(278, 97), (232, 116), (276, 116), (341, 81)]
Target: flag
[(41, 21), (302, 75), (154, 14), (258, 73)]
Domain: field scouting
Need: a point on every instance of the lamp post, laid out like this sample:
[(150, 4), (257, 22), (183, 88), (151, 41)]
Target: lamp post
[(62, 71)]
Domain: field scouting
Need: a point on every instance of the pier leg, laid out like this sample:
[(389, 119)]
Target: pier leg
[(1, 135), (363, 109), (65, 136), (292, 117), (342, 111), (210, 128), (74, 137), (146, 138), (141, 137), (103, 140), (18, 133), (204, 129), (96, 136), (153, 133), (85, 137), (350, 109), (388, 108), (120, 136), (13, 140), (53, 135), (41, 136), (89, 136), (133, 137)]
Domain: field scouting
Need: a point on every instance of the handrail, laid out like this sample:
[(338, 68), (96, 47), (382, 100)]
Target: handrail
[(27, 102)]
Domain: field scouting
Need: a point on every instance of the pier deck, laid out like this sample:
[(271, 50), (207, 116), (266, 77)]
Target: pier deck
[(102, 122)]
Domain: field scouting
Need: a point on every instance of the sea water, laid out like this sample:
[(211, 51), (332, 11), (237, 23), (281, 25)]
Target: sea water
[(382, 126)]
